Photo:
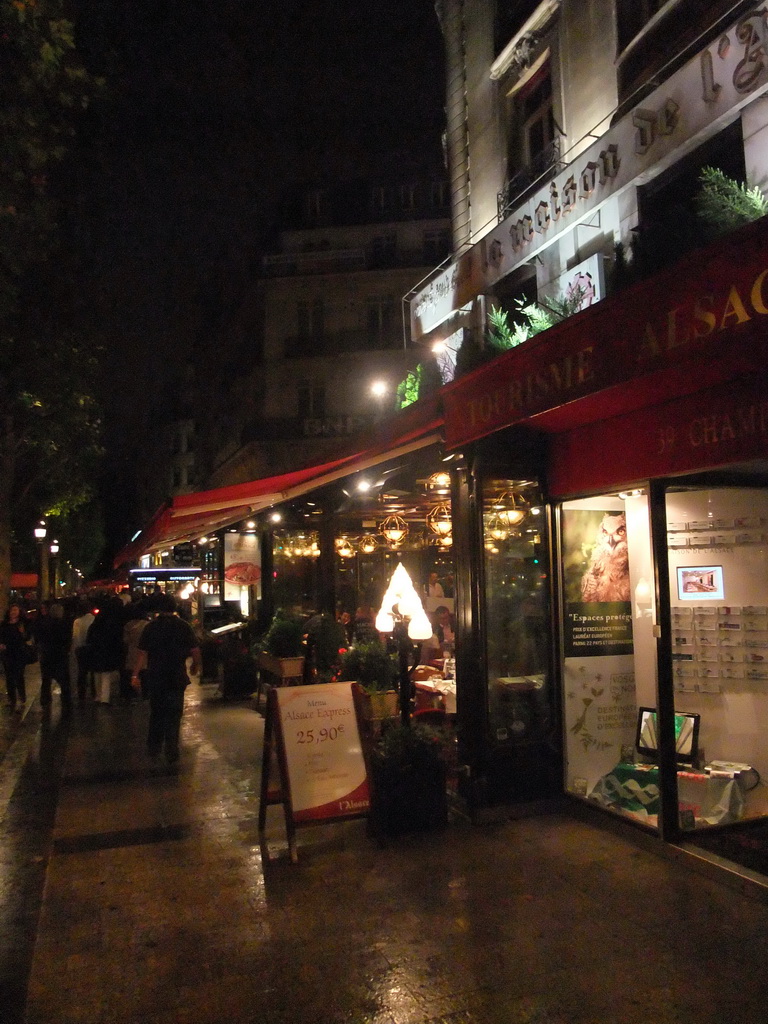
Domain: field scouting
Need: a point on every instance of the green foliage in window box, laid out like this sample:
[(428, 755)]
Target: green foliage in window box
[(370, 665), (285, 636), (723, 203)]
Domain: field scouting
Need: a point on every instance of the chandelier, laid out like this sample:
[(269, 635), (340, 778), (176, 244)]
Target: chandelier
[(346, 548), (439, 483), (439, 520), (368, 544), (394, 529), (507, 510)]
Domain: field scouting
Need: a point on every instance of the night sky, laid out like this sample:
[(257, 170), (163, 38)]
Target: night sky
[(213, 108)]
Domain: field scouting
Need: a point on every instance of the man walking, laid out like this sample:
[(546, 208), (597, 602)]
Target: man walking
[(166, 643)]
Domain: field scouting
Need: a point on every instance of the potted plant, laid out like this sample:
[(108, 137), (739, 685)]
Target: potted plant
[(282, 648), (408, 768), (326, 643), (371, 665)]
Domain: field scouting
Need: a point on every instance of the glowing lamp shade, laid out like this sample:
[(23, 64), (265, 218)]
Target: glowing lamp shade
[(507, 509), (401, 599), (439, 520), (420, 628), (346, 549), (439, 482), (384, 622), (368, 544), (394, 529)]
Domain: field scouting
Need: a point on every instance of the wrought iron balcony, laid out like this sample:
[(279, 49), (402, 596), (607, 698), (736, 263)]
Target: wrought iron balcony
[(544, 164)]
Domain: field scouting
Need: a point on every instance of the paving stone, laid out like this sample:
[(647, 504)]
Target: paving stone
[(158, 903)]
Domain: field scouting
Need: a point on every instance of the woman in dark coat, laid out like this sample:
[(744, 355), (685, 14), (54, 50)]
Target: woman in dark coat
[(105, 647), (14, 652)]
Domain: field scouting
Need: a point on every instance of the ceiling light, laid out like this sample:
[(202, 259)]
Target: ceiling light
[(368, 544), (439, 520), (394, 529)]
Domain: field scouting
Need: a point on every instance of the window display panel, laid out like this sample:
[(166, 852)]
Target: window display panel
[(718, 583), (609, 652), (516, 600), (296, 558)]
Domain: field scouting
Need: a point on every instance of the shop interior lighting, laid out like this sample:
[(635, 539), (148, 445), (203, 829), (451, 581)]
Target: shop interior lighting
[(275, 517), (496, 528), (368, 544), (401, 602), (394, 529), (439, 520), (507, 509), (439, 483), (346, 549)]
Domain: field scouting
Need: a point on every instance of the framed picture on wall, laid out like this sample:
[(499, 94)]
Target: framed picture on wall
[(700, 583)]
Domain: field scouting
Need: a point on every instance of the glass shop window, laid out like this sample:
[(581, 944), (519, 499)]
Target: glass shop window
[(516, 601), (718, 586), (608, 651)]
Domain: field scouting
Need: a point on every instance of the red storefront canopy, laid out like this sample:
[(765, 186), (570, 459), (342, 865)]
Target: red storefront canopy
[(190, 516)]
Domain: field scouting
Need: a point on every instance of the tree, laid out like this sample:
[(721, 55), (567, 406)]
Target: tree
[(48, 419)]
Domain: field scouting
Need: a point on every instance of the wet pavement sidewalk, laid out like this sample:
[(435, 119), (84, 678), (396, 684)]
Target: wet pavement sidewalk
[(158, 905)]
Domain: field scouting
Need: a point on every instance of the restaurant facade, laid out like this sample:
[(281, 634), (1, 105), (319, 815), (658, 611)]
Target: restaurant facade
[(594, 501)]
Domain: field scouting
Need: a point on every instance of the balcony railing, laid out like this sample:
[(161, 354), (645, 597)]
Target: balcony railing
[(527, 178)]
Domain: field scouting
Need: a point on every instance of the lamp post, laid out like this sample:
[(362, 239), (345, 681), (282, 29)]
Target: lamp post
[(379, 389), (402, 614), (40, 533), (55, 556)]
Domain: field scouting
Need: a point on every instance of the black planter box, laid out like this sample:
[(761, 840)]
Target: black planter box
[(408, 799)]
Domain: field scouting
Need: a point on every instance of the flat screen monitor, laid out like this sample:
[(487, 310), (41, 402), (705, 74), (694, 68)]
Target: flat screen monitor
[(700, 583), (686, 735)]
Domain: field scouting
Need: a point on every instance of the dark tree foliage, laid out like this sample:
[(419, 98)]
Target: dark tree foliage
[(48, 418)]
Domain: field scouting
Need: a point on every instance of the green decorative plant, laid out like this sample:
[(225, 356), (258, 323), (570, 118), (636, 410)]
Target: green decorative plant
[(327, 640), (285, 636), (724, 203), (370, 665)]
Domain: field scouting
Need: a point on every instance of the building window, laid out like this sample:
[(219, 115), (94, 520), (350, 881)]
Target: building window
[(380, 199), (408, 196), (383, 250), (437, 245), (380, 320), (310, 319), (311, 399), (632, 16), (438, 195), (537, 119)]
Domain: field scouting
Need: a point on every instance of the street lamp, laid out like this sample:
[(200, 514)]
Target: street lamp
[(55, 555), (40, 534), (379, 389)]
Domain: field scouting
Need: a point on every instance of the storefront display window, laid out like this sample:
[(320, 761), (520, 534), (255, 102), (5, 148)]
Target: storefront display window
[(718, 587), (296, 570), (609, 651), (516, 595)]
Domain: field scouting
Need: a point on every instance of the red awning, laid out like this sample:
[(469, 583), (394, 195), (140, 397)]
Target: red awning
[(190, 516), (23, 580)]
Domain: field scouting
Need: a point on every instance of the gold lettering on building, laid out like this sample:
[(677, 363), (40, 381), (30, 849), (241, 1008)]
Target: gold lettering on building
[(734, 308)]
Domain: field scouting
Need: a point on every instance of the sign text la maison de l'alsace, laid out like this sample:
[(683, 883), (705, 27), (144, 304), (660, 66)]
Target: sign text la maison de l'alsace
[(712, 306), (720, 79)]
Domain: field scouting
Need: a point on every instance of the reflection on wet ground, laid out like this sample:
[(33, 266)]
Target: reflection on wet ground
[(160, 907)]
